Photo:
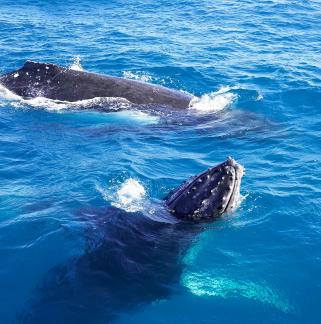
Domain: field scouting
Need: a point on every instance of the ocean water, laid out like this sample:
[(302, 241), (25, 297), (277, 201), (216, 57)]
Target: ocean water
[(67, 175)]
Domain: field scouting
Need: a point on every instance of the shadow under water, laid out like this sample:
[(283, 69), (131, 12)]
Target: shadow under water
[(129, 260)]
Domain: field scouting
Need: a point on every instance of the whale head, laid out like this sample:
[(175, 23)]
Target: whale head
[(209, 194)]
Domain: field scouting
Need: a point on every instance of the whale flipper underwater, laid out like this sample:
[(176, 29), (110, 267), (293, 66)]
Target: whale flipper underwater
[(54, 82), (130, 259)]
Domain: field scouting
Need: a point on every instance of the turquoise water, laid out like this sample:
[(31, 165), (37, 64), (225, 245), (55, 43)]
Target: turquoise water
[(257, 67)]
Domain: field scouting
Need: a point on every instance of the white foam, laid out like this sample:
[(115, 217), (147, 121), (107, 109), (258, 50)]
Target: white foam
[(113, 103), (238, 201), (205, 284), (6, 94), (214, 101), (118, 106), (129, 196), (130, 191), (76, 65), (259, 97), (135, 76)]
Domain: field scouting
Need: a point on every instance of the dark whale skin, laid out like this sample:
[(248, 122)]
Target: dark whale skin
[(129, 261), (54, 82)]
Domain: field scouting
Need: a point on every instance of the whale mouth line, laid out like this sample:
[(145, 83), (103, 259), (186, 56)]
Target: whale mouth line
[(235, 192), (230, 201)]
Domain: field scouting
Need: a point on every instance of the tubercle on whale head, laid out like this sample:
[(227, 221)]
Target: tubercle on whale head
[(209, 194)]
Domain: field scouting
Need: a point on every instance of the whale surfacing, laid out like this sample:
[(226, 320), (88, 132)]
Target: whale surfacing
[(209, 194), (55, 82), (131, 260)]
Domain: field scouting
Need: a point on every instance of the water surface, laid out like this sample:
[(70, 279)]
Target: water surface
[(257, 66)]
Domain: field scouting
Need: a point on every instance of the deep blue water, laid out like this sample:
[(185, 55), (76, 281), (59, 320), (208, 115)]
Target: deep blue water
[(257, 66)]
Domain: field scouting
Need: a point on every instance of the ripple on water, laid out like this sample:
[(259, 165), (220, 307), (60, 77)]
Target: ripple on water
[(259, 91)]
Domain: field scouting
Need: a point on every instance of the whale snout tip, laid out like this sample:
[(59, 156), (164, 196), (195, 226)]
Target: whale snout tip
[(240, 170), (230, 161)]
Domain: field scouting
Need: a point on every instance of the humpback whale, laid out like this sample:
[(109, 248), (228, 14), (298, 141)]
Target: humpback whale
[(130, 259), (55, 82)]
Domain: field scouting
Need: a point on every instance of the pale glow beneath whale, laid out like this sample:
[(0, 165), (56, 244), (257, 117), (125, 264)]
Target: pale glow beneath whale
[(205, 284)]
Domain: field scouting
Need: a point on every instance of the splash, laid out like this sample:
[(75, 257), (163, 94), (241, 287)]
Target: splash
[(214, 101), (119, 108), (129, 196), (113, 103), (238, 201), (6, 94), (130, 191), (259, 97), (205, 284), (135, 76), (76, 65)]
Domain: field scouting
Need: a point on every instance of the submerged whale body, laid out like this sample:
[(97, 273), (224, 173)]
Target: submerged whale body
[(54, 82), (130, 259)]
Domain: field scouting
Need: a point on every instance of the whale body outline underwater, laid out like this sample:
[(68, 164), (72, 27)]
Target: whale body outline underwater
[(132, 259)]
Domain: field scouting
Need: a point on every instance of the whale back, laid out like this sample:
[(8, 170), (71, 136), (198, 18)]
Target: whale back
[(54, 82)]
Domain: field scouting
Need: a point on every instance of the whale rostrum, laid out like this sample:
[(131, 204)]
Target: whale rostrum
[(209, 194)]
